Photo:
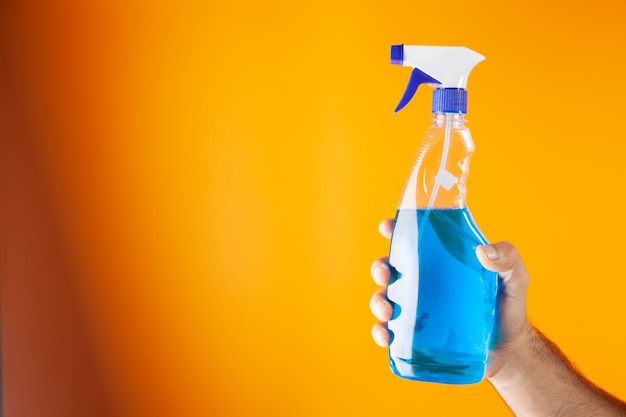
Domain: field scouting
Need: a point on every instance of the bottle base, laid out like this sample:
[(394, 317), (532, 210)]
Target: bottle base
[(442, 373)]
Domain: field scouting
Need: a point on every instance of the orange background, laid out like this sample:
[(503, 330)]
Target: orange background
[(190, 193)]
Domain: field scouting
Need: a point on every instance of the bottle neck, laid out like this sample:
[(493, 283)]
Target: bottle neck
[(455, 120)]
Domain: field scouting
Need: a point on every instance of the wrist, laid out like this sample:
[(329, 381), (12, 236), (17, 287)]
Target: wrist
[(512, 356)]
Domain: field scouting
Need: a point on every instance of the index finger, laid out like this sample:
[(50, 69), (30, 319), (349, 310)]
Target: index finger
[(386, 227)]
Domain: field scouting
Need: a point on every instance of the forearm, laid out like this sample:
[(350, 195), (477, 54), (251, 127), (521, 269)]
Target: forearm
[(537, 380)]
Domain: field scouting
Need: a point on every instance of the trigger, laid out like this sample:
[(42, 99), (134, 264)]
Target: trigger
[(417, 77)]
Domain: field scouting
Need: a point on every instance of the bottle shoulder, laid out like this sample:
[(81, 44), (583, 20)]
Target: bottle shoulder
[(458, 135)]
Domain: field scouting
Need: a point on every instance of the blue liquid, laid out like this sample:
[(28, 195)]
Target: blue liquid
[(444, 300)]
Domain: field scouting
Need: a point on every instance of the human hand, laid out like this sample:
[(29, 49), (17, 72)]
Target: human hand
[(514, 331)]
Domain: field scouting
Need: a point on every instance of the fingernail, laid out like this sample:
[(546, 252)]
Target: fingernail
[(491, 252)]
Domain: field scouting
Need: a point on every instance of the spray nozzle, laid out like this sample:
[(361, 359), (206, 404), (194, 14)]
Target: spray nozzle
[(446, 67)]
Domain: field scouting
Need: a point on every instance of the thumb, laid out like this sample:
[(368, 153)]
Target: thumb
[(503, 258), (512, 322)]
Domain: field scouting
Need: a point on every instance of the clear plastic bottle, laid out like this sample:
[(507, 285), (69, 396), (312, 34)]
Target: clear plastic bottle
[(444, 300)]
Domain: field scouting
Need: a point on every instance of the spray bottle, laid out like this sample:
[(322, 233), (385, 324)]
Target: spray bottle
[(444, 300)]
